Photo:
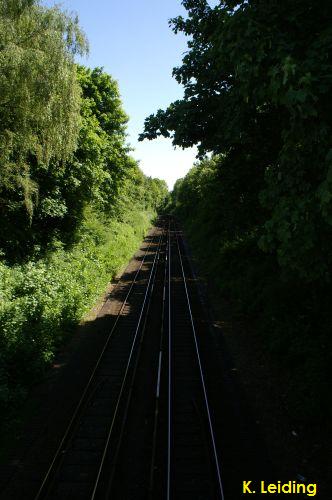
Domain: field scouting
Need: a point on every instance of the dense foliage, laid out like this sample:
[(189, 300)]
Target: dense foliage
[(257, 83), (73, 204), (42, 300), (290, 318), (39, 102)]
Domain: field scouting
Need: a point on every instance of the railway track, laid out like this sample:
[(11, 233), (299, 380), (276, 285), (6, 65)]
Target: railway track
[(143, 428), (74, 469), (191, 469)]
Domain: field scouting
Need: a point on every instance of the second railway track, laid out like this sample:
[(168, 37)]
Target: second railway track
[(185, 460)]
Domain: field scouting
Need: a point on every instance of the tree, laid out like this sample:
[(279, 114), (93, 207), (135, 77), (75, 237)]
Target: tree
[(95, 171), (39, 100), (257, 80)]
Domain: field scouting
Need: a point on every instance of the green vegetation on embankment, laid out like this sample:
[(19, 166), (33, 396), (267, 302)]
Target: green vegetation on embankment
[(73, 204), (257, 80), (43, 299), (289, 318)]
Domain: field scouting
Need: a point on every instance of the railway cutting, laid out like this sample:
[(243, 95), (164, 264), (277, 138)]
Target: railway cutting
[(146, 424)]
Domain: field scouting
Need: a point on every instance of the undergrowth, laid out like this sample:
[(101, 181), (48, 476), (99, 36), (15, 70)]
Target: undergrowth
[(42, 300)]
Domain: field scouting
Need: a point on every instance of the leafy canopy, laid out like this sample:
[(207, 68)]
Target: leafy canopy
[(39, 95), (257, 82)]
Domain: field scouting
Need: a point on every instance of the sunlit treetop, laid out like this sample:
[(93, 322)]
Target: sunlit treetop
[(39, 92)]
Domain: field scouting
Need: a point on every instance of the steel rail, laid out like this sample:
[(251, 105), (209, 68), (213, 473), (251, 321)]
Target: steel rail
[(170, 409), (66, 436), (106, 447), (212, 436), (157, 391), (133, 377)]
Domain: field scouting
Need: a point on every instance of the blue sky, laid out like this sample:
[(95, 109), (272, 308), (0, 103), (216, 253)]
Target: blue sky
[(131, 39)]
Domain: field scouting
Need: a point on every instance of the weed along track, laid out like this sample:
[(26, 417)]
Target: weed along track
[(78, 465), (143, 427)]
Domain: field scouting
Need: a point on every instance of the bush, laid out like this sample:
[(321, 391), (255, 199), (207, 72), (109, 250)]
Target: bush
[(42, 300)]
